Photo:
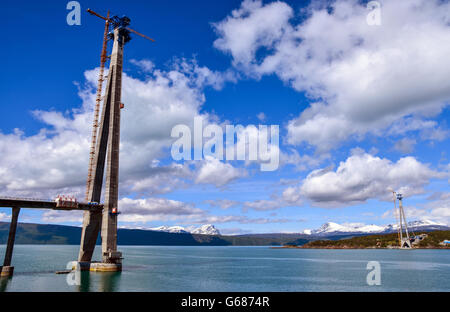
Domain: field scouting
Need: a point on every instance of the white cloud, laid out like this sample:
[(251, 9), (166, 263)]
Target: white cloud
[(202, 76), (58, 216), (234, 231), (405, 145), (240, 219), (301, 162), (261, 117), (218, 173), (55, 160), (160, 209), (437, 209), (145, 65), (292, 196), (162, 179), (4, 217), (363, 176), (250, 27), (364, 78), (155, 209), (222, 203), (263, 205)]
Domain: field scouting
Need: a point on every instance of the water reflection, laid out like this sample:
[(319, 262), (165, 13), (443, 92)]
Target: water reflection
[(85, 281), (4, 280), (99, 281), (109, 281)]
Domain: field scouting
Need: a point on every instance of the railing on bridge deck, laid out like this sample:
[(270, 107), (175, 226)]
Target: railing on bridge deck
[(9, 201)]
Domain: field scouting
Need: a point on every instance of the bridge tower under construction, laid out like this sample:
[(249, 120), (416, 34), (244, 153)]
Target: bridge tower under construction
[(105, 152)]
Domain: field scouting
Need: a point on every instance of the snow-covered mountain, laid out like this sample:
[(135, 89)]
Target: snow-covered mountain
[(170, 229), (331, 227), (419, 225), (358, 228), (207, 229)]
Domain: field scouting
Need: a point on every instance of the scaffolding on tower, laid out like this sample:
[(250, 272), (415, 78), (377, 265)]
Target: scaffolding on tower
[(98, 99)]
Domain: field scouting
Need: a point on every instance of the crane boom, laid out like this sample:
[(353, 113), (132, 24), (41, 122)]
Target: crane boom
[(108, 19), (143, 36), (98, 15)]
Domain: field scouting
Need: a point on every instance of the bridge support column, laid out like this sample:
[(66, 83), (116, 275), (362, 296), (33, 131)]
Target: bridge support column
[(91, 226), (7, 269), (111, 258), (107, 149)]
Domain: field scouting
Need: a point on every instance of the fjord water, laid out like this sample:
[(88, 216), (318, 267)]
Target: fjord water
[(164, 268)]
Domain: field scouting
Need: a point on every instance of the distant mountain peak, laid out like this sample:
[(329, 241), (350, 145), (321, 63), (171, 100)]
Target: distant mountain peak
[(207, 229), (170, 229), (360, 228)]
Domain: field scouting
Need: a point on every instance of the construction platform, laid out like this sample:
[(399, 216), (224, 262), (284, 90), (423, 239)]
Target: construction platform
[(96, 266), (6, 271)]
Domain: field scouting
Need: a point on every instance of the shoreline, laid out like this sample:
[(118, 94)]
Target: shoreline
[(333, 247)]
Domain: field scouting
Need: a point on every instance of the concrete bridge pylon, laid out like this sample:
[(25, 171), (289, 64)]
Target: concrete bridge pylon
[(106, 154)]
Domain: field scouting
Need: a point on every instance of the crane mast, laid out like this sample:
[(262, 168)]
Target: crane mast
[(98, 100)]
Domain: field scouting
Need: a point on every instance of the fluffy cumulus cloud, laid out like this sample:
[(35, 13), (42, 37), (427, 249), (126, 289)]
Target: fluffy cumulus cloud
[(156, 209), (439, 207), (289, 198), (251, 27), (363, 176), (405, 145), (140, 211), (218, 173), (162, 179), (55, 160), (364, 79)]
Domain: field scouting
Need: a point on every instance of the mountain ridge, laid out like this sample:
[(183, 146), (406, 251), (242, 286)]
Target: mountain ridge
[(358, 228), (31, 233), (206, 229)]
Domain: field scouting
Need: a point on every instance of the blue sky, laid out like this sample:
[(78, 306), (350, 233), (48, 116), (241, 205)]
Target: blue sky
[(361, 109)]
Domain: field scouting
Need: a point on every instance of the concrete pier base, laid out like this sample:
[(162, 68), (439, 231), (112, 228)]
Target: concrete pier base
[(6, 271), (97, 266)]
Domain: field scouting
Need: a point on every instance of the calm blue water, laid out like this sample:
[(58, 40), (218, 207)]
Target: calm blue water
[(157, 268)]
